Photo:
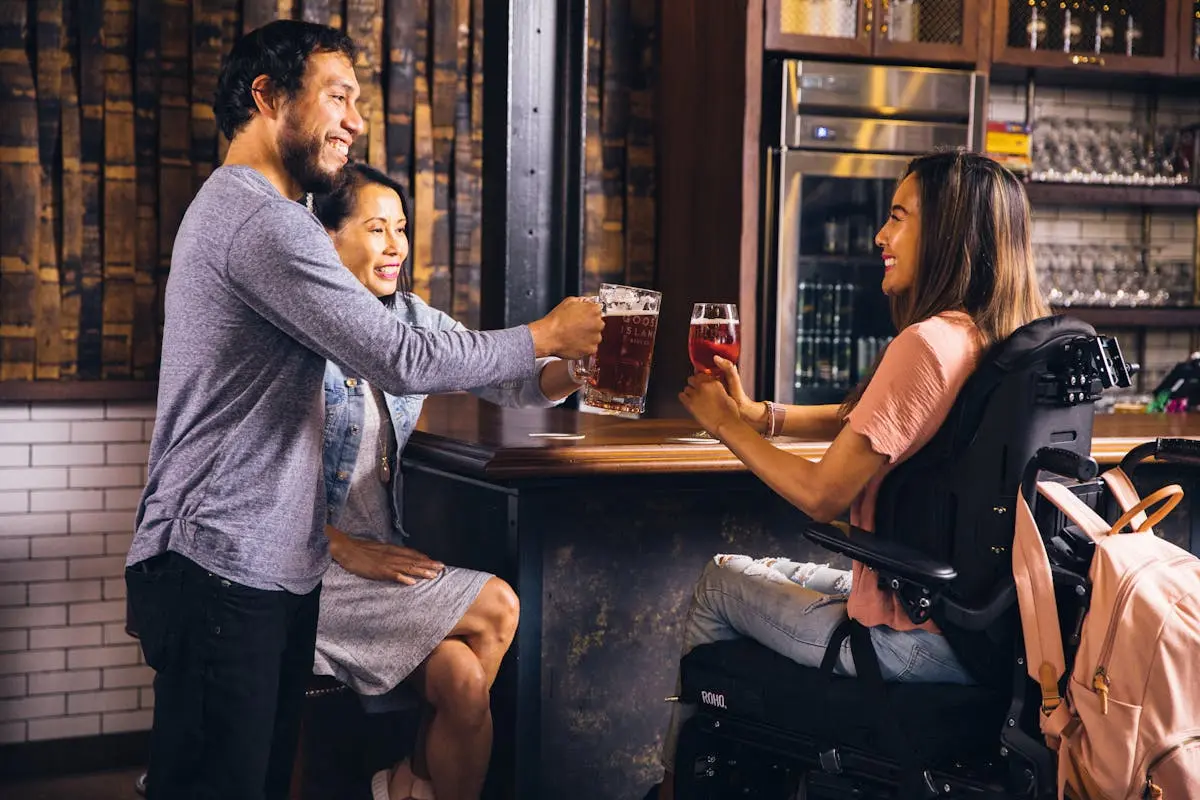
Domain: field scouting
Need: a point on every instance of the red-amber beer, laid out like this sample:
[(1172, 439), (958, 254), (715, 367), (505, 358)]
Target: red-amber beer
[(622, 362)]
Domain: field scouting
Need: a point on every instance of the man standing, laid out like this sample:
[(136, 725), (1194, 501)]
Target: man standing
[(225, 568)]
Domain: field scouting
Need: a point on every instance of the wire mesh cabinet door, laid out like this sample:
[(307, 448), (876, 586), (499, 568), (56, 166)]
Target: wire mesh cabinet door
[(930, 31), (1128, 36)]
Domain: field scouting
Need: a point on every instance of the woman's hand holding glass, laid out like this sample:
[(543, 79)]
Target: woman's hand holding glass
[(710, 403), (753, 412)]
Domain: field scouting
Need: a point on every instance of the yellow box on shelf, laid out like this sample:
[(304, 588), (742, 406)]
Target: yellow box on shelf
[(1010, 144)]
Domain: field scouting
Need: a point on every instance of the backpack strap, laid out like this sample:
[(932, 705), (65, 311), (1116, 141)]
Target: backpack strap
[(1168, 496), (1075, 509), (1120, 485), (1045, 660)]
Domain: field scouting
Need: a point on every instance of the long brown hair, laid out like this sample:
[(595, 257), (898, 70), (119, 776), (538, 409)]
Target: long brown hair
[(975, 253)]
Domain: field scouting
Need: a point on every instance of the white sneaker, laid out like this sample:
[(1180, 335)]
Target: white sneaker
[(416, 789)]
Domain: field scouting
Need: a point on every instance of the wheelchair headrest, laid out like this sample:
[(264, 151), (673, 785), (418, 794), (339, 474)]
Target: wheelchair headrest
[(1075, 363), (1029, 339)]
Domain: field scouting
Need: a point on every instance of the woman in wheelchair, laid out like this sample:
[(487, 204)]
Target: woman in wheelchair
[(959, 273)]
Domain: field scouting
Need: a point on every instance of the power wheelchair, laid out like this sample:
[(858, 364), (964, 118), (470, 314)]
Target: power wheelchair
[(767, 727)]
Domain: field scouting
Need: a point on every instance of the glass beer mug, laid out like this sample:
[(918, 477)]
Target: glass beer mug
[(615, 377)]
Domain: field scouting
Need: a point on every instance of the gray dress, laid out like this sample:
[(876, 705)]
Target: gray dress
[(372, 634)]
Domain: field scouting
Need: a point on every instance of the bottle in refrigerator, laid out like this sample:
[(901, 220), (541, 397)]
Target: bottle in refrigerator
[(836, 236), (847, 299), (805, 307), (824, 361), (805, 360), (843, 347), (826, 307)]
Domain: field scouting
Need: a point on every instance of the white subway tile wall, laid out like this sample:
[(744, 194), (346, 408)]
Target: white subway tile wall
[(70, 478), (1172, 233)]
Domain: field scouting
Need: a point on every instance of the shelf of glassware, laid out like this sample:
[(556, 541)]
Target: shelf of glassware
[(1145, 317), (1099, 194)]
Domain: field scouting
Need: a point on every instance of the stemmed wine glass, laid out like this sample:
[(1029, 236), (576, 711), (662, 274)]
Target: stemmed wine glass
[(715, 331)]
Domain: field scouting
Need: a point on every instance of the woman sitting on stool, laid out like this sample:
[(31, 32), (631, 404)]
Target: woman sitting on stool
[(390, 614)]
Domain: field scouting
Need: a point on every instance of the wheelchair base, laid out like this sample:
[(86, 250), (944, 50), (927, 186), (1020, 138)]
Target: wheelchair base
[(721, 758)]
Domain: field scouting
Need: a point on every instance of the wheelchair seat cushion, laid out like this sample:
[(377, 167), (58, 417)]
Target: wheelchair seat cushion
[(744, 679)]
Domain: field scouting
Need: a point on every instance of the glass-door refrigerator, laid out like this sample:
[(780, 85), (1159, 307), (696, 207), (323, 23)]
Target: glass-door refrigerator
[(838, 137)]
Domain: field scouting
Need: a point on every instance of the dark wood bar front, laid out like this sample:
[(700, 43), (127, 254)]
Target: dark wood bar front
[(603, 537)]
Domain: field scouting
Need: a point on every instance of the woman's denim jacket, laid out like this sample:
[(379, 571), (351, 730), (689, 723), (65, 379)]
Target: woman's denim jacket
[(345, 400)]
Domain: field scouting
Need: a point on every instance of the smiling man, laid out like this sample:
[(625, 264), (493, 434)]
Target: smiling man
[(225, 568)]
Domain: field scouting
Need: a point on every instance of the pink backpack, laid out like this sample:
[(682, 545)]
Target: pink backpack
[(1130, 726)]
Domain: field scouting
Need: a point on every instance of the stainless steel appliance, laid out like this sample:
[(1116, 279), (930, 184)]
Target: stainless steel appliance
[(838, 137)]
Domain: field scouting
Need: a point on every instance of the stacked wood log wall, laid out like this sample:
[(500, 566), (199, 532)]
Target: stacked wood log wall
[(107, 130), (619, 207)]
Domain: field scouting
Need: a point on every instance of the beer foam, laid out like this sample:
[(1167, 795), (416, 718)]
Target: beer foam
[(625, 312), (715, 322)]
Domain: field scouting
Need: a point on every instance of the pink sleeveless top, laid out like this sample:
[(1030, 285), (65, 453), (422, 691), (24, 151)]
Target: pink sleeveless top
[(906, 402)]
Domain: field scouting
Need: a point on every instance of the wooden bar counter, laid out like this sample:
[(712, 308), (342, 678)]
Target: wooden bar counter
[(603, 525)]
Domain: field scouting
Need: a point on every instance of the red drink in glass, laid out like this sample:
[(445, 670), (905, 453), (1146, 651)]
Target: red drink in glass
[(714, 332), (708, 338)]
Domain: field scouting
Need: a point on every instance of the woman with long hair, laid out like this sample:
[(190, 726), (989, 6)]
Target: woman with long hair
[(958, 269), (389, 614)]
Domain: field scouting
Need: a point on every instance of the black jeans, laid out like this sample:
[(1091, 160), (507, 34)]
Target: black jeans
[(231, 665)]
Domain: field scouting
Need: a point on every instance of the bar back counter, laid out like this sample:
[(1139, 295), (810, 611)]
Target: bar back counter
[(602, 525)]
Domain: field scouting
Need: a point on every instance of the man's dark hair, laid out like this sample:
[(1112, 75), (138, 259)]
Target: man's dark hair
[(280, 50)]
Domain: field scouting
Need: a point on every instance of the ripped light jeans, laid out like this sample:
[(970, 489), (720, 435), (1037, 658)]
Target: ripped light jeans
[(793, 608)]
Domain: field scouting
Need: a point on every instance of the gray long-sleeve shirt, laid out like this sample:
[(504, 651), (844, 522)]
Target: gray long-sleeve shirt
[(256, 302)]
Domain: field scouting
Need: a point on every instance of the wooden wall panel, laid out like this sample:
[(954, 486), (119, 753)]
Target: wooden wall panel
[(421, 229), (364, 22), (208, 27), (175, 169), (20, 193), (472, 265), (442, 101), (319, 11), (71, 210), (120, 194), (639, 155), (595, 267), (614, 124), (401, 74), (619, 157), (147, 88), (111, 131), (49, 99), (467, 194)]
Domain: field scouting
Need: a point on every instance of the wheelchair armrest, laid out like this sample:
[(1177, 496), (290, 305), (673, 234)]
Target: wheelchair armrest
[(982, 618), (883, 556)]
